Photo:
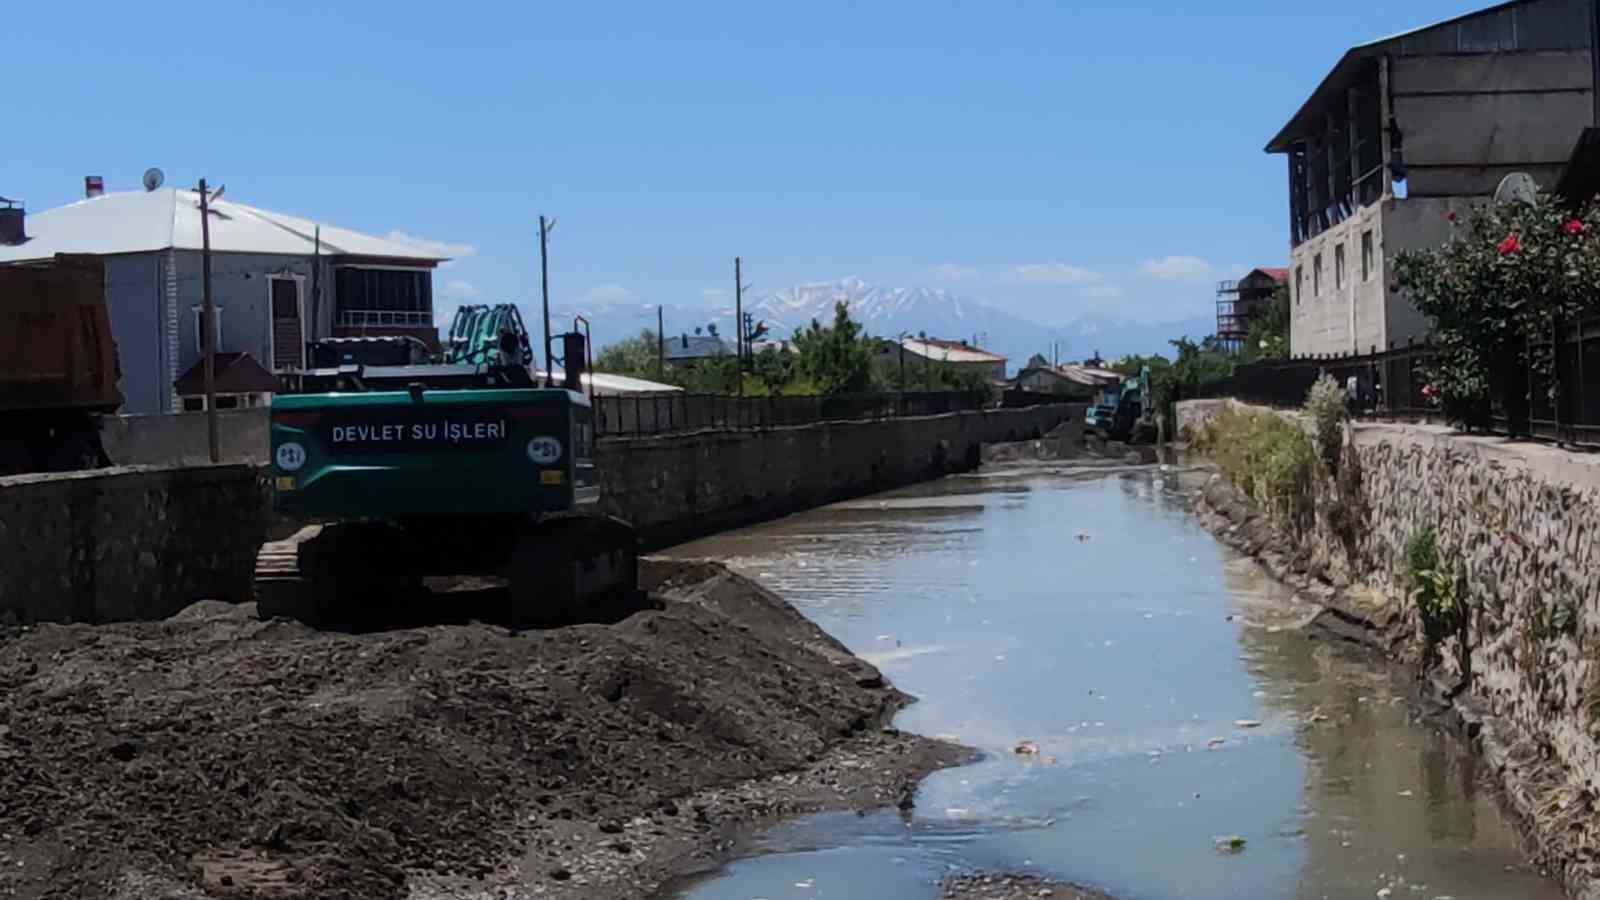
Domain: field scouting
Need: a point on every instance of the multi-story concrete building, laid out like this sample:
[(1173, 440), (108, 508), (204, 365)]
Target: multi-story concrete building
[(1407, 129)]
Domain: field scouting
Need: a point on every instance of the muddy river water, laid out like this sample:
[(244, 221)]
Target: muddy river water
[(1173, 701)]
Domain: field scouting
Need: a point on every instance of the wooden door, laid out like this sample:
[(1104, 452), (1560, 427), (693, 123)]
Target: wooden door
[(288, 333)]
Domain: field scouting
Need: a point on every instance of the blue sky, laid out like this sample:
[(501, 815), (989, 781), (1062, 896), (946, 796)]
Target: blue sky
[(1057, 159)]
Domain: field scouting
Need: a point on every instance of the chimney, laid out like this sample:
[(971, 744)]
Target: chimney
[(11, 223), (93, 186)]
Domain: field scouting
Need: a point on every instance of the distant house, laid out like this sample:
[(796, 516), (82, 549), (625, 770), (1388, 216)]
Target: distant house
[(685, 347), (1239, 302), (1405, 131), (1088, 382), (275, 285), (951, 354)]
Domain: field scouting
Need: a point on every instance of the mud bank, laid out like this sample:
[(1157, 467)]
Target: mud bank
[(214, 755), (1534, 789)]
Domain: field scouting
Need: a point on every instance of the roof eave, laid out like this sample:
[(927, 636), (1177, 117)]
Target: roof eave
[(1280, 142)]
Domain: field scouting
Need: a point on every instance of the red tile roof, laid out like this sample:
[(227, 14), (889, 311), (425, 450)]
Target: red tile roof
[(234, 373), (1276, 274)]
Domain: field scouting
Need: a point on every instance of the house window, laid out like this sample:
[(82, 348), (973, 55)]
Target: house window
[(1299, 283), (383, 296), (1316, 275), (1366, 254), (216, 329), (1338, 268)]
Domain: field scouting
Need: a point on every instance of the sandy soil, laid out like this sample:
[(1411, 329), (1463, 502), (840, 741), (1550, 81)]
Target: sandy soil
[(214, 755)]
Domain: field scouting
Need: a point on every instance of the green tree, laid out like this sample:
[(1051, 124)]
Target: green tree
[(1512, 271), (774, 368), (635, 356), (1268, 337), (836, 359)]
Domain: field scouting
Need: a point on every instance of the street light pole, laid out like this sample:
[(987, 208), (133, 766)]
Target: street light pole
[(544, 286)]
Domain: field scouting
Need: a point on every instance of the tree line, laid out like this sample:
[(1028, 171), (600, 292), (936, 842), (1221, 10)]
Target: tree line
[(828, 360)]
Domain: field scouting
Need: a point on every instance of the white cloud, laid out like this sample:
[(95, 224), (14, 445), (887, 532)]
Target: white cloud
[(608, 293), (1178, 268), (1103, 291), (713, 295), (1057, 273), (461, 291), (953, 272), (433, 248)]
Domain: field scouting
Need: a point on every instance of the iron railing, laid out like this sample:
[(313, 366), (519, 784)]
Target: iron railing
[(355, 318), (1390, 383), (617, 416)]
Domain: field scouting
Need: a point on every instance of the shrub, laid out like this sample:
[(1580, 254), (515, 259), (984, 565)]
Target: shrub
[(1325, 406), (1267, 457)]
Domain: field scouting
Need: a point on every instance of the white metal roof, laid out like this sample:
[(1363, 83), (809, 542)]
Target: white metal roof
[(607, 384), (145, 221), (941, 352)]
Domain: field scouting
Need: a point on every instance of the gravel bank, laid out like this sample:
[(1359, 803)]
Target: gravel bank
[(217, 756)]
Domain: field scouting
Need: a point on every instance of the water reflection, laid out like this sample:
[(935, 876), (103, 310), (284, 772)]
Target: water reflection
[(1165, 681)]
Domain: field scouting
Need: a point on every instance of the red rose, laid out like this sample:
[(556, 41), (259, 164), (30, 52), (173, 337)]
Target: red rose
[(1450, 215), (1574, 226), (1510, 245)]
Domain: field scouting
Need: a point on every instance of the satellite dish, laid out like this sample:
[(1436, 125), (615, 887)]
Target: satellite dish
[(153, 178), (1517, 187)]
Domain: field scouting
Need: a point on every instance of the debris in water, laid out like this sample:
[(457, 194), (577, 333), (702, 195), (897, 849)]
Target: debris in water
[(1246, 723), (1026, 748), (1082, 536), (1231, 844), (1215, 742)]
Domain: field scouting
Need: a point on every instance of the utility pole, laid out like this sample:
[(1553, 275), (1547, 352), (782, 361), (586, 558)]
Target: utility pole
[(738, 322), (208, 319), (661, 344), (544, 286)]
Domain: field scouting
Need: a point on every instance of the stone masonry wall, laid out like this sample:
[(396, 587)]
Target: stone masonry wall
[(679, 486), (1518, 524), (121, 544)]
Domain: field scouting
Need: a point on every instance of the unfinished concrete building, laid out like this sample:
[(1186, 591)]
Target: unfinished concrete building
[(1409, 128)]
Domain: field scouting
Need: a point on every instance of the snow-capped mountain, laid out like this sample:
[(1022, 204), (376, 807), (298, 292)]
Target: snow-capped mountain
[(888, 311)]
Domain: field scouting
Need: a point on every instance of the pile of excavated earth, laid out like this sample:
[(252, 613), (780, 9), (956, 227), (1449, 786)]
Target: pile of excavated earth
[(214, 755)]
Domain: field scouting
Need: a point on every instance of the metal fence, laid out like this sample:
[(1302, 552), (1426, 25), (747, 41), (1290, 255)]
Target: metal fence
[(638, 415), (1390, 384)]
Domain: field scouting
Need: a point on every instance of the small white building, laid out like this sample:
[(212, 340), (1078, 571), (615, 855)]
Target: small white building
[(275, 284)]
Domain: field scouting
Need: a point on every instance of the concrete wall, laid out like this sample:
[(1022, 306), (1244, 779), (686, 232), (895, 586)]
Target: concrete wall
[(675, 487), (182, 439), (124, 544), (1364, 313), (1517, 524)]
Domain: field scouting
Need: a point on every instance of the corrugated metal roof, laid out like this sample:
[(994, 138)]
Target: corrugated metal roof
[(607, 384), (168, 218), (1552, 31), (950, 351)]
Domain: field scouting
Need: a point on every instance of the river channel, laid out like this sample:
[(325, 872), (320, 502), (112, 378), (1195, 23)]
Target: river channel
[(1173, 700)]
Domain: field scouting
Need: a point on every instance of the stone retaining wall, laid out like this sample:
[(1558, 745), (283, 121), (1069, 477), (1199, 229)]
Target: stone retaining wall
[(679, 486), (1518, 525), (122, 544)]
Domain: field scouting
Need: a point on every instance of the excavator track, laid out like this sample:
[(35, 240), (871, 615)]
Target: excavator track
[(560, 570), (343, 573)]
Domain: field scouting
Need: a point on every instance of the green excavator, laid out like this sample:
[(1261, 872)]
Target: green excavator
[(468, 466)]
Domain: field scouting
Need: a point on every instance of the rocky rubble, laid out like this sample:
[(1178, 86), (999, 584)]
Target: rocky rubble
[(213, 755), (1013, 887)]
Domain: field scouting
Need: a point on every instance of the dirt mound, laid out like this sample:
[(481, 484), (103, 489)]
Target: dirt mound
[(214, 755)]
